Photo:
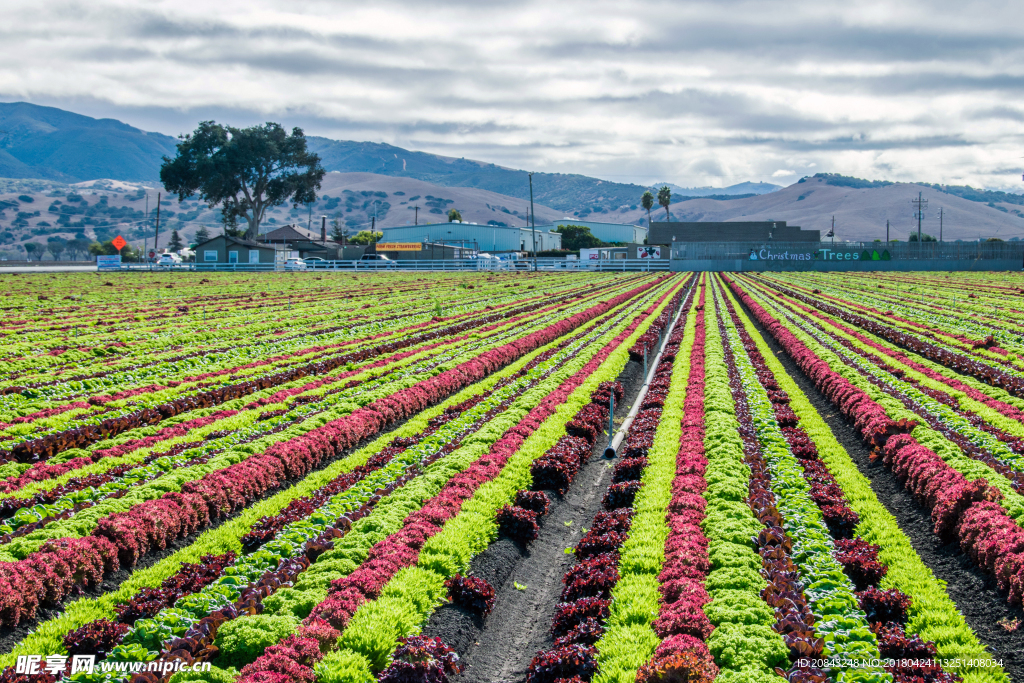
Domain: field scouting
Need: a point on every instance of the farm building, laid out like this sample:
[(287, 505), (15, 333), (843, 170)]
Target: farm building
[(489, 238)]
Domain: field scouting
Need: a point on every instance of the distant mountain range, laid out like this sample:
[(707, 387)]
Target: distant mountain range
[(52, 144)]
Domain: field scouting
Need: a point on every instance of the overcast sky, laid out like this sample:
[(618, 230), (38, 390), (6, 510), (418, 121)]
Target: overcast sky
[(695, 93)]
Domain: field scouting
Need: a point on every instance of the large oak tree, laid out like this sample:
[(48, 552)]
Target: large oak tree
[(245, 170)]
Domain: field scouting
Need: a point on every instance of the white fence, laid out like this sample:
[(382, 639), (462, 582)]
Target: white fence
[(550, 264)]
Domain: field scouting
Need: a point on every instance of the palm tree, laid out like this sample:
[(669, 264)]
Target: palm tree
[(647, 201), (665, 198)]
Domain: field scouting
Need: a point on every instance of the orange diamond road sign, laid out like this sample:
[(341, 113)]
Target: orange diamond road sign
[(119, 243)]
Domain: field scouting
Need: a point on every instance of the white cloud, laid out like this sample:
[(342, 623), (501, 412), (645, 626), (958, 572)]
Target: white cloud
[(782, 173), (698, 93)]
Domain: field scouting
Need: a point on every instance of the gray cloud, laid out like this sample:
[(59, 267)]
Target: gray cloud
[(648, 90)]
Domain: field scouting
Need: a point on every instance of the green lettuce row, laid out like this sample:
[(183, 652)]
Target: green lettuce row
[(1011, 501), (831, 595), (68, 420), (745, 646), (287, 543), (933, 615), (236, 422), (85, 521), (987, 389), (411, 596), (251, 330), (941, 411), (46, 639), (629, 640), (247, 427)]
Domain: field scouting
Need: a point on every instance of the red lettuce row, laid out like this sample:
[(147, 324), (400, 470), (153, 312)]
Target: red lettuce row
[(556, 469), (51, 444), (123, 538), (519, 520), (419, 659), (471, 593), (934, 352), (400, 550), (648, 341), (955, 384), (579, 620), (886, 610), (42, 471), (681, 622)]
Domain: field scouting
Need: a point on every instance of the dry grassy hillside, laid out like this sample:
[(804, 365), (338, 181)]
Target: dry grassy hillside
[(860, 213), (39, 211)]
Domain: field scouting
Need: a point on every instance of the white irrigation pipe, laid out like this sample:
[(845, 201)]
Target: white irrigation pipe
[(613, 445)]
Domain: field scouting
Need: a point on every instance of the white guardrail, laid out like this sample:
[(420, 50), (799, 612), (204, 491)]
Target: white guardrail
[(552, 264)]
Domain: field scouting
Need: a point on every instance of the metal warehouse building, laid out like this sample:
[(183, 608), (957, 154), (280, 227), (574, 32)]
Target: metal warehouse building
[(489, 238), (606, 232)]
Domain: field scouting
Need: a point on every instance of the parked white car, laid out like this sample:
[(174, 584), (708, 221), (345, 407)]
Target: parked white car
[(295, 264), (168, 259)]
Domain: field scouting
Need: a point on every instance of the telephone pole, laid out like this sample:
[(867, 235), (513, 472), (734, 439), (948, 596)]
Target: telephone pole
[(920, 204), (417, 214), (940, 223), (887, 231)]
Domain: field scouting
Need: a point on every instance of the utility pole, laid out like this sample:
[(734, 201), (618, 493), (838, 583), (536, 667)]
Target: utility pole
[(887, 231), (533, 220), (920, 204), (417, 214), (940, 224), (156, 238), (373, 233)]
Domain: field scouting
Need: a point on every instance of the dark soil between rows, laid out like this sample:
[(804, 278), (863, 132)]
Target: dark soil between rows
[(498, 649), (973, 591)]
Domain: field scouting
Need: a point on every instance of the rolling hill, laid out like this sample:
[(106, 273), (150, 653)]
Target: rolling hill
[(53, 144), (55, 148), (102, 209), (860, 212), (564, 192)]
